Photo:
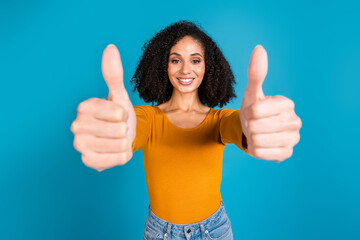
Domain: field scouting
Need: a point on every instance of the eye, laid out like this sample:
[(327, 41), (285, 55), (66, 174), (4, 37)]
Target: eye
[(175, 61), (196, 61)]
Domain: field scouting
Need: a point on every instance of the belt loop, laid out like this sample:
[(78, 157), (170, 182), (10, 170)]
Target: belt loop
[(202, 231), (168, 231)]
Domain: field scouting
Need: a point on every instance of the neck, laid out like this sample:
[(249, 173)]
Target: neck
[(186, 102)]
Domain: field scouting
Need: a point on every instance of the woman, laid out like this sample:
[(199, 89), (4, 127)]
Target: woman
[(183, 159), (183, 137)]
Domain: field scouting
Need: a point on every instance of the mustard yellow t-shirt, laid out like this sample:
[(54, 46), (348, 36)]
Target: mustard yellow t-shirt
[(183, 167)]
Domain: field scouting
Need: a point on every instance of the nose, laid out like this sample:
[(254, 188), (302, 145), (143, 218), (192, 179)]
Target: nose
[(186, 68)]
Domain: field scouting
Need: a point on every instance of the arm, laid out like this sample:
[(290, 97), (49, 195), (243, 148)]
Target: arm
[(231, 129)]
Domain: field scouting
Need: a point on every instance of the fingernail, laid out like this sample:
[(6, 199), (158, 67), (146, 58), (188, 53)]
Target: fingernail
[(246, 123)]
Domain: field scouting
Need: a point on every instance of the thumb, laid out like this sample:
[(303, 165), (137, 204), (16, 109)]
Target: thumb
[(257, 71), (112, 71)]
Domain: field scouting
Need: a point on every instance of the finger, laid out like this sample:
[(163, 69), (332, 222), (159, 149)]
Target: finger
[(101, 145), (257, 71), (99, 128), (103, 110), (270, 154), (274, 140), (279, 123), (270, 106), (112, 71), (106, 160)]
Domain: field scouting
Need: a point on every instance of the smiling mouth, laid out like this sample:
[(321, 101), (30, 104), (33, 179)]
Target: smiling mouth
[(185, 80)]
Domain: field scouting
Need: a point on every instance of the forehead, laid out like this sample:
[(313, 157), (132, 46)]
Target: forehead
[(187, 45)]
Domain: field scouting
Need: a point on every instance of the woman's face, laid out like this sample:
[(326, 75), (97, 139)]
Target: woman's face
[(186, 66)]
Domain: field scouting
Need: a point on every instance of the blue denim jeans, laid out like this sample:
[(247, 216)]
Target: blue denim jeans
[(217, 226)]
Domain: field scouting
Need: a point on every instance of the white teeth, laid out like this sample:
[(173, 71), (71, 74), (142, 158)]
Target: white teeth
[(186, 79)]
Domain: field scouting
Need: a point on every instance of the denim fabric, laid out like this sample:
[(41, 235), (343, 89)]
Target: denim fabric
[(217, 226)]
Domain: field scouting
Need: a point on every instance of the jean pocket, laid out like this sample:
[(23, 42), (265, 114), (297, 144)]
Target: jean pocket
[(220, 232), (150, 233)]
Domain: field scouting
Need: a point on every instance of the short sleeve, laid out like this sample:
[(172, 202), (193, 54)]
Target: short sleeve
[(231, 130), (142, 127)]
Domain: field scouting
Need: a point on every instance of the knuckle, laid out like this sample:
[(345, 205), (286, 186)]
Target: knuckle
[(289, 153), (122, 129), (299, 123), (254, 138), (77, 127), (296, 124), (87, 161), (254, 110), (286, 100), (125, 128), (121, 159), (256, 152), (78, 144), (129, 143), (90, 162), (117, 130), (99, 144), (124, 143), (118, 144), (118, 112), (251, 126), (285, 154), (92, 100), (74, 127), (291, 103), (280, 97), (81, 107)]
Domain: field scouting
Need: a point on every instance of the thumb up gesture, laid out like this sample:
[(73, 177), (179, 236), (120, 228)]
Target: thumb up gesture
[(105, 129), (269, 123)]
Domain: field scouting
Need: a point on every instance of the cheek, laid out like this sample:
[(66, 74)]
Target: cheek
[(171, 70), (200, 70)]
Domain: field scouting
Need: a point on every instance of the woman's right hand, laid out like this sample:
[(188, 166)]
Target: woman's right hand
[(105, 129)]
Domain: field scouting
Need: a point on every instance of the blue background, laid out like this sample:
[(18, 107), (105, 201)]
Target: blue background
[(50, 62)]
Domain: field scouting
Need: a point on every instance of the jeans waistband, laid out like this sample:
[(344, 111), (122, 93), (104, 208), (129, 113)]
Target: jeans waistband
[(181, 229)]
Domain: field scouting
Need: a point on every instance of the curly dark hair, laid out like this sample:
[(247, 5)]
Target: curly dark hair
[(151, 77)]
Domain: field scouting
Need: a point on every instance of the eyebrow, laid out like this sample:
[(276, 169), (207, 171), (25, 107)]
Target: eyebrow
[(193, 54)]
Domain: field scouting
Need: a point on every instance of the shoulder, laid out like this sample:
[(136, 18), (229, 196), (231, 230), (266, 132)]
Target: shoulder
[(144, 107), (144, 110), (223, 112)]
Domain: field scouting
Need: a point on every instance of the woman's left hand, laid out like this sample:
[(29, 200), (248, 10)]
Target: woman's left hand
[(269, 123)]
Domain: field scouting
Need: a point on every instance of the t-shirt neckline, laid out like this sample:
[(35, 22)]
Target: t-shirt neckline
[(185, 129)]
